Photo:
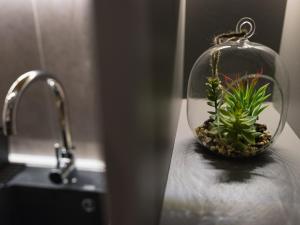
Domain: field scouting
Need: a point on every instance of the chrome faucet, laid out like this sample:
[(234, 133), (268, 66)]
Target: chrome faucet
[(65, 166)]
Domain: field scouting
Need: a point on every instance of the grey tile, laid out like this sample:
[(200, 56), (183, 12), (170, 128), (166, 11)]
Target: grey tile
[(66, 30), (66, 37), (19, 54)]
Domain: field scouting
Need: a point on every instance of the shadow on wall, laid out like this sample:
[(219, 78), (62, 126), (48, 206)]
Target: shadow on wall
[(290, 53)]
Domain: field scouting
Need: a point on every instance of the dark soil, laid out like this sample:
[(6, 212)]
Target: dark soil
[(214, 144)]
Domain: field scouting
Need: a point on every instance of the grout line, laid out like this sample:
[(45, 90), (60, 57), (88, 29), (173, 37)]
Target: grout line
[(38, 34)]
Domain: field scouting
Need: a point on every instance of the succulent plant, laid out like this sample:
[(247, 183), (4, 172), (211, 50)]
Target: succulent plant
[(243, 95), (235, 119)]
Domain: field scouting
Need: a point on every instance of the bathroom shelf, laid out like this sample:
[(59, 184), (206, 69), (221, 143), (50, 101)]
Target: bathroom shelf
[(205, 189)]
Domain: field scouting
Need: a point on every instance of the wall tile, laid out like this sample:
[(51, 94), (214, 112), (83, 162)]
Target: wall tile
[(66, 31)]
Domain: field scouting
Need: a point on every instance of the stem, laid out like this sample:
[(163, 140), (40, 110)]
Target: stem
[(214, 63), (215, 101)]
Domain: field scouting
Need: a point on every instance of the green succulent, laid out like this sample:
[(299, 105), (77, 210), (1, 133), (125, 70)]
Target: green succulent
[(240, 108), (246, 97), (235, 127), (214, 94)]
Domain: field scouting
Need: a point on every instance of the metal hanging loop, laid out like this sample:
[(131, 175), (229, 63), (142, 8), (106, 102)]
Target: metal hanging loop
[(246, 24)]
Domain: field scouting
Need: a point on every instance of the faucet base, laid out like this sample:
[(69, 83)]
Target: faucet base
[(63, 175)]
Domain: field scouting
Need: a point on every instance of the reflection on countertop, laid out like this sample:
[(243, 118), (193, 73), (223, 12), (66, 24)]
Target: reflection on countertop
[(45, 161), (35, 177), (205, 189)]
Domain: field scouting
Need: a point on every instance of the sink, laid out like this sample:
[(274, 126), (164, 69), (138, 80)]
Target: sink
[(32, 205), (30, 198), (27, 196)]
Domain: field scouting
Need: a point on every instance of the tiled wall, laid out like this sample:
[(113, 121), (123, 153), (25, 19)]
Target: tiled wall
[(53, 35)]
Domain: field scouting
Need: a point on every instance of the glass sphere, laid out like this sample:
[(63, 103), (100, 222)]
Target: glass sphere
[(237, 103)]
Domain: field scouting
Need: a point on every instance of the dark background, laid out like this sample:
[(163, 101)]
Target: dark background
[(207, 18)]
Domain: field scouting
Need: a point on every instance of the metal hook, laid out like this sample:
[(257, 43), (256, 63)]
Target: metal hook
[(248, 22)]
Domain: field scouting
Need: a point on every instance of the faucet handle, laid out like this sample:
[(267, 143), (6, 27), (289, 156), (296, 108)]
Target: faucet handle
[(62, 152), (64, 165), (58, 154)]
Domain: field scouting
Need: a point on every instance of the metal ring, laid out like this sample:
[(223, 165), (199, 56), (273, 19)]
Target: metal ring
[(246, 21)]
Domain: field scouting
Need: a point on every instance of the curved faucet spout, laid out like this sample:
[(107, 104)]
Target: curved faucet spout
[(15, 93)]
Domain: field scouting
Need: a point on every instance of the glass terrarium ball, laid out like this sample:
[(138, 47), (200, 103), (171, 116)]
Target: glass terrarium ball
[(237, 95)]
